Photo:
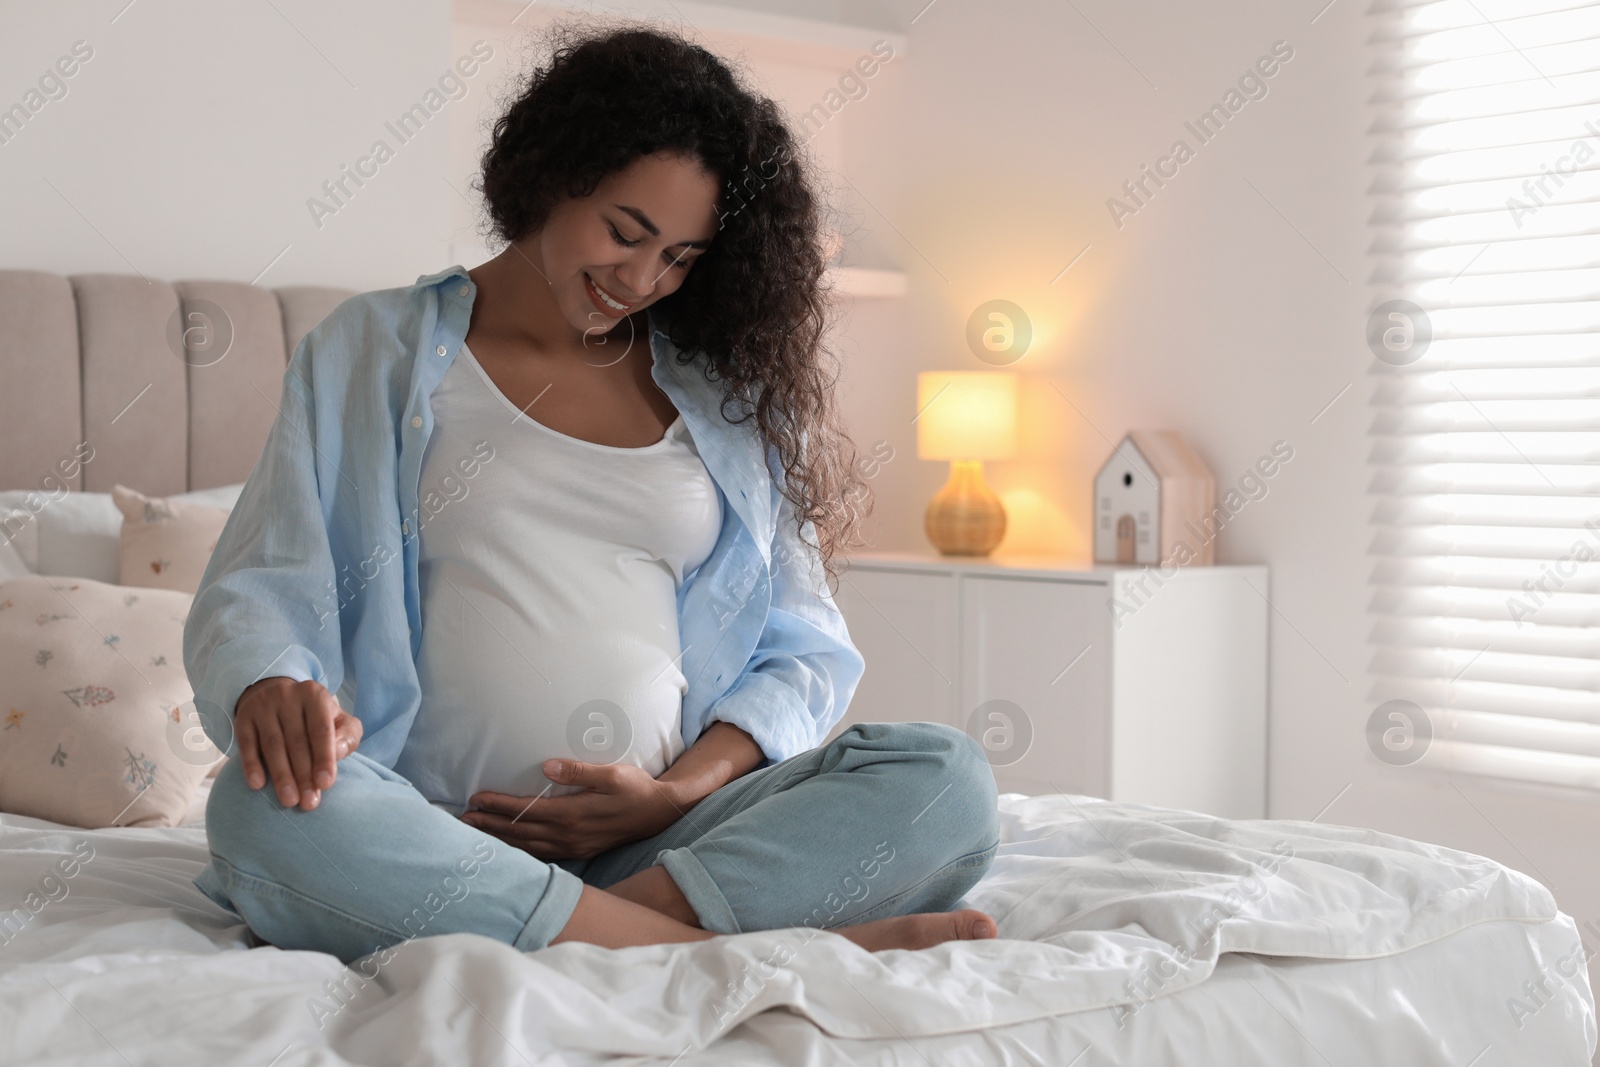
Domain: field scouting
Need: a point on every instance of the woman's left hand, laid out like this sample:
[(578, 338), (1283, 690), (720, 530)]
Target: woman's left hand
[(620, 804)]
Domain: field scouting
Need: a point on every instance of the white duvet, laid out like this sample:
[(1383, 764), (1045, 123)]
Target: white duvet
[(1107, 913)]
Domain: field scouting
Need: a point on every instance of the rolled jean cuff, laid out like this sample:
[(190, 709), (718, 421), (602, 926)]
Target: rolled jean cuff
[(208, 883), (552, 912), (695, 883)]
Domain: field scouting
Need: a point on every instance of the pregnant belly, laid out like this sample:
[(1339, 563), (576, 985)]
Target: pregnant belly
[(491, 715)]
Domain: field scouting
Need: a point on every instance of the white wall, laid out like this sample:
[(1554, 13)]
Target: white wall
[(191, 141), (1206, 312)]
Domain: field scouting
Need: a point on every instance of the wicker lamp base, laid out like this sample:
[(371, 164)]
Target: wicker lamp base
[(965, 518)]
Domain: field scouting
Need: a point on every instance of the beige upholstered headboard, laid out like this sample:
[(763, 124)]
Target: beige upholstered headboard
[(91, 358)]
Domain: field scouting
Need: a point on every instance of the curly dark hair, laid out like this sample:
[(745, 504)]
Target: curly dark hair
[(755, 307)]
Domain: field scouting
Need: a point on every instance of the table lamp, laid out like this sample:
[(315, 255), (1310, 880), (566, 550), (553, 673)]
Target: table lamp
[(966, 417)]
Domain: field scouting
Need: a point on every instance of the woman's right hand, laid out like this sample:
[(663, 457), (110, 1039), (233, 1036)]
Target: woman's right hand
[(298, 732)]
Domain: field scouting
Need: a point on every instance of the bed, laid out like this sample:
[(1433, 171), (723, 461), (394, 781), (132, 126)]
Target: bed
[(1128, 934)]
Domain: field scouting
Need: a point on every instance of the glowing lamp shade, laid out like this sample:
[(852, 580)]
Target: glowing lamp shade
[(966, 417)]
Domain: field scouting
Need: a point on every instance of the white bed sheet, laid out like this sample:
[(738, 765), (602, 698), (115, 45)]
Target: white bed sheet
[(1332, 945)]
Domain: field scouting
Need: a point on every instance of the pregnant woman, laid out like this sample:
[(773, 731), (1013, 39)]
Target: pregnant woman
[(523, 612)]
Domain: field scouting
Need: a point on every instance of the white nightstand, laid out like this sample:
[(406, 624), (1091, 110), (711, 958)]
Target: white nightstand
[(1162, 703)]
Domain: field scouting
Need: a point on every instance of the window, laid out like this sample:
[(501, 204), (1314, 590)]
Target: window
[(1485, 436)]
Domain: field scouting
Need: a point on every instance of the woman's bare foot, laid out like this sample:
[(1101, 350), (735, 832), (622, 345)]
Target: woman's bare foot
[(920, 931), (614, 922)]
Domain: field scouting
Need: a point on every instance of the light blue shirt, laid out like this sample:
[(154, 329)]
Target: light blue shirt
[(315, 574)]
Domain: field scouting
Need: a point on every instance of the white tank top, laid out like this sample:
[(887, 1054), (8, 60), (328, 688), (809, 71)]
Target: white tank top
[(549, 569)]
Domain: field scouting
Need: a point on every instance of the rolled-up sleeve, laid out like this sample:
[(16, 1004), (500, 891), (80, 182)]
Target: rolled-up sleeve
[(804, 670), (266, 605)]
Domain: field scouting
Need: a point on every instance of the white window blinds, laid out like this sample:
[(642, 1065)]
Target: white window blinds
[(1485, 448)]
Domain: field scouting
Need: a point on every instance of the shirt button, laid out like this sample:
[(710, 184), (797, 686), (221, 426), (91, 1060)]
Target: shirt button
[(405, 527), (462, 290), (416, 422), (440, 350)]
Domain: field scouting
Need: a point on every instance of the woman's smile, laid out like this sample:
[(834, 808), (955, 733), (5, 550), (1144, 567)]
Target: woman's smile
[(608, 304)]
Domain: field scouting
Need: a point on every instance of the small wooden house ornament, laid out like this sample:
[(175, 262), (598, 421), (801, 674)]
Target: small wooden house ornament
[(1152, 495)]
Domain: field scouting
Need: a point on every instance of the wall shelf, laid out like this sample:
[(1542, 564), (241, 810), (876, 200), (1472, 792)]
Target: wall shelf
[(868, 282)]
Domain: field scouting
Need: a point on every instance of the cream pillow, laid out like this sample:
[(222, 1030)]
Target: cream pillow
[(166, 543), (14, 525), (79, 534), (97, 726)]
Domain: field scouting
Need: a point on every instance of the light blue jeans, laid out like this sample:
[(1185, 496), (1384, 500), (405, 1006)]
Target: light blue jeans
[(886, 819)]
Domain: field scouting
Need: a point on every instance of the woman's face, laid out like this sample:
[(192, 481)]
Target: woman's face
[(629, 243)]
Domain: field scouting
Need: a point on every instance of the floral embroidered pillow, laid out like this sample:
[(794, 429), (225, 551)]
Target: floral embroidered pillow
[(97, 722), (166, 543)]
